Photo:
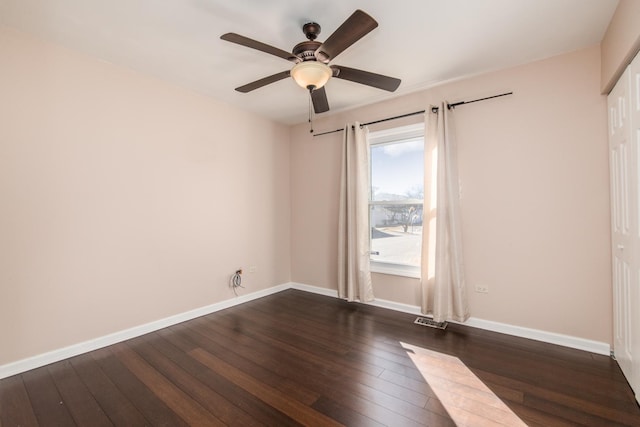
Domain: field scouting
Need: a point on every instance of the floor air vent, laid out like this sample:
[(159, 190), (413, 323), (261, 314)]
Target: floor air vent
[(425, 321)]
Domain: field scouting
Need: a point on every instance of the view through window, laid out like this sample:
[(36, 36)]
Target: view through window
[(396, 199)]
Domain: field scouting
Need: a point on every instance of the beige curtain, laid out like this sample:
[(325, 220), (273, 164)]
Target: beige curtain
[(354, 276), (443, 284)]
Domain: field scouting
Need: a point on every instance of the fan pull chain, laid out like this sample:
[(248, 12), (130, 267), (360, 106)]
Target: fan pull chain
[(310, 114)]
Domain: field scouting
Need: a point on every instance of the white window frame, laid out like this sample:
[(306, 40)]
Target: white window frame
[(384, 137)]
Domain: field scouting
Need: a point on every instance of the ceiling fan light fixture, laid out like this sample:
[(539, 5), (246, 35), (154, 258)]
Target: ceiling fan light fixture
[(311, 74)]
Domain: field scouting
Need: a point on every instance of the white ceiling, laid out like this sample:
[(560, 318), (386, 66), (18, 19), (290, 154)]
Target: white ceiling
[(422, 42)]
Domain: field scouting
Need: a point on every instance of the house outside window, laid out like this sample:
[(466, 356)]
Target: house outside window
[(396, 200)]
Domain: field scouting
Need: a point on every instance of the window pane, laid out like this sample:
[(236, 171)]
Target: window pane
[(396, 233), (397, 180), (397, 170)]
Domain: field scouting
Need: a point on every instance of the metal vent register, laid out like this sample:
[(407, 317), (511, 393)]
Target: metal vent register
[(425, 321)]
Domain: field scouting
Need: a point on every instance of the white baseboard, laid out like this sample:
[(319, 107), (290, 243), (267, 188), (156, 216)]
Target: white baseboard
[(518, 331), (391, 305), (314, 289), (100, 342), (544, 336), (94, 344)]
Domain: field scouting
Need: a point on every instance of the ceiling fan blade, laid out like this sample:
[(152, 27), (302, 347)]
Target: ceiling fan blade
[(320, 101), (263, 82), (353, 29), (366, 78), (253, 44)]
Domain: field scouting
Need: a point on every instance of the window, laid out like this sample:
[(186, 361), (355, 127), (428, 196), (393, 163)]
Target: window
[(396, 200)]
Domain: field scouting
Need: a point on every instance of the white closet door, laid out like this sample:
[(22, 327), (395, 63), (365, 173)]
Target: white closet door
[(634, 304), (623, 157)]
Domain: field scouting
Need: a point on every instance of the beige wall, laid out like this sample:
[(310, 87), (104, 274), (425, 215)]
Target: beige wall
[(124, 200), (535, 196), (620, 43)]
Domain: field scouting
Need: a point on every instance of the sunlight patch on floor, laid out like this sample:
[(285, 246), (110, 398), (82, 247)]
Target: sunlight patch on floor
[(466, 398)]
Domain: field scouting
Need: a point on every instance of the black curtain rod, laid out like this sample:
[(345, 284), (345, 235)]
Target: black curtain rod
[(374, 122), (433, 110), (454, 105)]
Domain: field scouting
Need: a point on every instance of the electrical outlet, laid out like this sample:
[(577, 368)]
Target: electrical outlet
[(482, 289), (253, 269)]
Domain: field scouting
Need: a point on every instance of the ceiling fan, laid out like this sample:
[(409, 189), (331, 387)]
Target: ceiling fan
[(311, 58)]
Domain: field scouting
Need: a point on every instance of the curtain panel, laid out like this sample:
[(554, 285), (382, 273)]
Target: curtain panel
[(443, 284), (354, 276)]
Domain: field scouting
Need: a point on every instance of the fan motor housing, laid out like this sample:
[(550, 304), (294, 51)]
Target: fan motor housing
[(305, 50)]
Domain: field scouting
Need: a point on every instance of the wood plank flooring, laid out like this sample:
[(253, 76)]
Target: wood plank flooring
[(296, 358)]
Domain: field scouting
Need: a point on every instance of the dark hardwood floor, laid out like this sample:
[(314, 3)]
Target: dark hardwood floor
[(296, 358)]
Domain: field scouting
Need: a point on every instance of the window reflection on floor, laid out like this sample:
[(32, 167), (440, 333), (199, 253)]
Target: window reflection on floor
[(468, 401)]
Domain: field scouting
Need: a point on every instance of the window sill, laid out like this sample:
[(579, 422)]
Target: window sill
[(395, 269)]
